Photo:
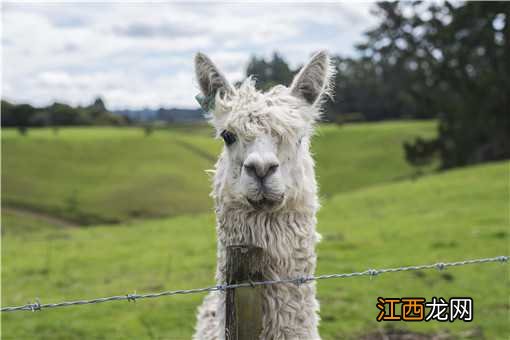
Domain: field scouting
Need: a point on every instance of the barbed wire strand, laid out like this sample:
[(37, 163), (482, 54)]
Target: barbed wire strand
[(37, 306)]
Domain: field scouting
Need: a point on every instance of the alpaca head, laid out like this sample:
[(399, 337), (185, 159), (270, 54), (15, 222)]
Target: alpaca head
[(265, 163)]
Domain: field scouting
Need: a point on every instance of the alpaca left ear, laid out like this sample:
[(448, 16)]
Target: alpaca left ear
[(210, 79), (314, 79)]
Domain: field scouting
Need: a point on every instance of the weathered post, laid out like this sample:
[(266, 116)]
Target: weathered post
[(244, 305)]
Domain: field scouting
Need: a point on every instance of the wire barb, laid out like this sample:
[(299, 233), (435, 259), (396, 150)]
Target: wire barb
[(37, 306), (131, 297), (440, 266), (373, 272), (300, 281)]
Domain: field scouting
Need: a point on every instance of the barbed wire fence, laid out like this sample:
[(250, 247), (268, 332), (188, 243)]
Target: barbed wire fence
[(37, 306)]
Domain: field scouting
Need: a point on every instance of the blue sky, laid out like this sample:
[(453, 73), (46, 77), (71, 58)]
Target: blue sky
[(139, 55)]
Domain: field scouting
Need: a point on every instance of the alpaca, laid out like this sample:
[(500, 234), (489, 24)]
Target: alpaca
[(265, 191)]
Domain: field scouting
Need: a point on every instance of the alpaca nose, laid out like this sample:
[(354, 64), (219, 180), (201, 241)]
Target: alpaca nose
[(260, 169)]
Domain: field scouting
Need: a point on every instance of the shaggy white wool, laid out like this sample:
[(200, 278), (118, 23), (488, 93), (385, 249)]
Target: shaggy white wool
[(283, 119)]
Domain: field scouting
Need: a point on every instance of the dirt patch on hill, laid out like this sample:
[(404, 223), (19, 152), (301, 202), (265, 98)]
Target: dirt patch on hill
[(197, 151), (57, 221)]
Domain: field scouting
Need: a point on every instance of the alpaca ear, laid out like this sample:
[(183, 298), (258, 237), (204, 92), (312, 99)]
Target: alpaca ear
[(314, 78), (210, 79)]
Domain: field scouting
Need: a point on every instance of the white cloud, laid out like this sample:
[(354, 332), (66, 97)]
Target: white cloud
[(140, 55)]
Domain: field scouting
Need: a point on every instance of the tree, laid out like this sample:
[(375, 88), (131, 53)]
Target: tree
[(270, 73), (402, 60), (21, 116), (470, 77), (63, 115), (7, 114), (358, 91), (97, 109), (439, 60)]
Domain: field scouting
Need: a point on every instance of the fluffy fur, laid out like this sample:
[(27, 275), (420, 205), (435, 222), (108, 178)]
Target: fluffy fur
[(271, 128)]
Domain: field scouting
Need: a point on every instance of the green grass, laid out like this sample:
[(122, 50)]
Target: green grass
[(108, 175), (359, 155), (451, 216)]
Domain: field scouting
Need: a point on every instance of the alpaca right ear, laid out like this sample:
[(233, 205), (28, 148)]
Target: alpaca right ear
[(210, 79), (313, 81)]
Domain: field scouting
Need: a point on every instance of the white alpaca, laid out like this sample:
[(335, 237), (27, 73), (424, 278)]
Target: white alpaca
[(265, 192)]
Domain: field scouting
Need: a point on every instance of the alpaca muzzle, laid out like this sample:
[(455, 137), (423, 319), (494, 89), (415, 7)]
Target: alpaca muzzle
[(266, 200)]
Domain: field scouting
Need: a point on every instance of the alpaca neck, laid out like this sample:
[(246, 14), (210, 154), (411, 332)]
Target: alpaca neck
[(288, 239)]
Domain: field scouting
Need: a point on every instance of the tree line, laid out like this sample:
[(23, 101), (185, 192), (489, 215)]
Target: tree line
[(23, 116)]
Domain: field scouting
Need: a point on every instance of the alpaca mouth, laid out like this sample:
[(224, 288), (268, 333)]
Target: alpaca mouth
[(265, 203)]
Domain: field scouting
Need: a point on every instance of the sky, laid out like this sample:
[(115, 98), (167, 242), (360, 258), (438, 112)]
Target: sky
[(140, 55)]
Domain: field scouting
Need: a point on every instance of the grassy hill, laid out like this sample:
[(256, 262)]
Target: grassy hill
[(108, 175), (360, 155), (450, 216), (95, 175)]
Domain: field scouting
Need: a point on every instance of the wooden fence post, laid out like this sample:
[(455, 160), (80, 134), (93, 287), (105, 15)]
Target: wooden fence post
[(244, 305)]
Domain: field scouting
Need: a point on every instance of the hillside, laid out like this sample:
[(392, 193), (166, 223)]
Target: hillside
[(106, 174), (355, 156), (450, 216), (109, 175)]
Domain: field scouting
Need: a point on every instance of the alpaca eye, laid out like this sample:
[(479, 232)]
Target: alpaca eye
[(228, 137)]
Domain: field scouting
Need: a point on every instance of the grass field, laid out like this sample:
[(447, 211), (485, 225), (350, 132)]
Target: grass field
[(375, 214), (106, 175)]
